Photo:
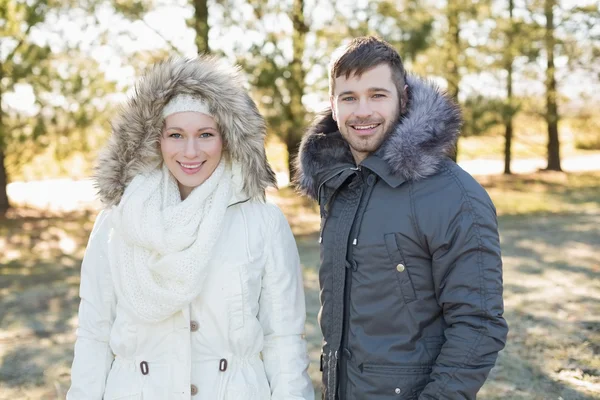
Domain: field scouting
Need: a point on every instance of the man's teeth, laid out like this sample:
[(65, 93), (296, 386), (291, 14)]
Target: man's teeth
[(364, 127), (190, 165)]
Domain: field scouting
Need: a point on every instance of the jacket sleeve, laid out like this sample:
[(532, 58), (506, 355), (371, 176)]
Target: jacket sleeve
[(467, 272), (93, 356), (282, 314)]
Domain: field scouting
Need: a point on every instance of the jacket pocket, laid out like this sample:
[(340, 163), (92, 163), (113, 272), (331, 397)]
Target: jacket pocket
[(391, 382), (236, 391), (123, 383), (400, 268)]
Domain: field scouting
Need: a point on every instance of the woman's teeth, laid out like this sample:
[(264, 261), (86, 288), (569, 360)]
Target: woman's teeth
[(190, 166)]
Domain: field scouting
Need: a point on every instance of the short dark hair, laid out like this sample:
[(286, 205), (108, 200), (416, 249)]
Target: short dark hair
[(362, 54)]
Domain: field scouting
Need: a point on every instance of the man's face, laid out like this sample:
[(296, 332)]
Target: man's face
[(366, 109)]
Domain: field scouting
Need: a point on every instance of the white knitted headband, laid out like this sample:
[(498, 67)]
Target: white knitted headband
[(185, 102)]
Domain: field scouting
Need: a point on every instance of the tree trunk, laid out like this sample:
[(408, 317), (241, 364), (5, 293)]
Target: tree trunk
[(201, 26), (508, 57), (452, 61), (4, 203), (551, 92), (292, 144), (296, 86)]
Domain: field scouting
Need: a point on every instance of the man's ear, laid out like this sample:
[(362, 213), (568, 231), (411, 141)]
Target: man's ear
[(332, 104), (404, 100)]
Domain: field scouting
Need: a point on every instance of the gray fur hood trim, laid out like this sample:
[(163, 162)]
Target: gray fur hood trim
[(423, 138), (133, 147)]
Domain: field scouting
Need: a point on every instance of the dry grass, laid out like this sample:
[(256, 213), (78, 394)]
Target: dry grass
[(550, 226)]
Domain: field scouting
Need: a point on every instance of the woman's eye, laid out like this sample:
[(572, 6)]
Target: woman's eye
[(175, 135), (206, 135)]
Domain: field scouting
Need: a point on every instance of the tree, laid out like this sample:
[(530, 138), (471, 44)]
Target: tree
[(569, 32), (457, 60), (508, 64), (200, 25), (274, 62), (551, 91), (17, 21), (511, 45), (68, 87)]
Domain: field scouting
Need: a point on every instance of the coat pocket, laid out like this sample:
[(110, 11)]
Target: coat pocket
[(241, 392), (391, 382), (123, 383), (400, 268)]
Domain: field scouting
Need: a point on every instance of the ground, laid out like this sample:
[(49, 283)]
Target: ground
[(550, 233)]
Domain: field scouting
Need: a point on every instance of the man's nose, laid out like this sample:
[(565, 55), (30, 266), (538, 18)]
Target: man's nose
[(364, 109)]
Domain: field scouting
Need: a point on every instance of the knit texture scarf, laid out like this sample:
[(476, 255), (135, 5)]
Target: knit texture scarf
[(161, 246)]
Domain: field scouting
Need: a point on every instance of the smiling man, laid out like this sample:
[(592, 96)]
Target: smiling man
[(411, 271)]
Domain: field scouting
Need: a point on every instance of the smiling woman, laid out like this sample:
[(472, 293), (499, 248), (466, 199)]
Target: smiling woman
[(191, 146), (191, 282)]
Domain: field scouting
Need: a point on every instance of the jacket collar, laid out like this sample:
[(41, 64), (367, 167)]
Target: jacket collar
[(380, 167), (423, 138)]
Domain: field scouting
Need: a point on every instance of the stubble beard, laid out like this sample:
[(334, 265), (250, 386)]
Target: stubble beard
[(368, 144)]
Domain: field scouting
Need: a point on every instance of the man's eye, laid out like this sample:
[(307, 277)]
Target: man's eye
[(378, 95), (348, 98)]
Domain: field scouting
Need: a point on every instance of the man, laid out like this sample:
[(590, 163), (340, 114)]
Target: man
[(411, 274)]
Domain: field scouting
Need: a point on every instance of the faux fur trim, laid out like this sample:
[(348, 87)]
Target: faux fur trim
[(133, 147), (423, 138)]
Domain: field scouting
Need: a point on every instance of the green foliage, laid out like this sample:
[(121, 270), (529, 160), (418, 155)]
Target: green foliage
[(586, 129), (482, 113), (69, 88)]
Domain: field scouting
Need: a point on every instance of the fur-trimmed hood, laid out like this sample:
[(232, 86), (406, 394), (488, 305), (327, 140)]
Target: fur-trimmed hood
[(134, 144), (424, 137)]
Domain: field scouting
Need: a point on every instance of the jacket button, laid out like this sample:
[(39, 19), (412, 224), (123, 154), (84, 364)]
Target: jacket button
[(347, 354), (398, 391), (400, 267), (193, 326), (194, 390)]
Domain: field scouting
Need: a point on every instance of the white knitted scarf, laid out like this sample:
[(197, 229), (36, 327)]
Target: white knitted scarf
[(161, 245)]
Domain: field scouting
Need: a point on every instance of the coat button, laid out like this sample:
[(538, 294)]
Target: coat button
[(398, 391), (193, 326), (347, 354), (400, 267), (194, 390)]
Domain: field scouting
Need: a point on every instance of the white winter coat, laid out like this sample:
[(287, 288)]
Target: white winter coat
[(242, 338)]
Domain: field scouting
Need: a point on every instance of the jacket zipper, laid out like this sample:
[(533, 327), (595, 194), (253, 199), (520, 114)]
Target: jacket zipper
[(347, 289)]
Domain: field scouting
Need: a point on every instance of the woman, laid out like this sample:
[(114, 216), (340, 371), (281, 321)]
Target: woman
[(191, 284)]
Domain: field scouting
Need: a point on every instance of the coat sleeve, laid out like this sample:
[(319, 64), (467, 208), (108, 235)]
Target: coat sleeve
[(467, 272), (282, 314), (93, 356)]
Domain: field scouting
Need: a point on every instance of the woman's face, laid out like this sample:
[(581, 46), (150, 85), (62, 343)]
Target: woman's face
[(191, 148)]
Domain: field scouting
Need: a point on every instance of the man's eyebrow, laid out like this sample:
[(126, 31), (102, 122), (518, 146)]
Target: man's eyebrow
[(347, 92), (379, 89), (371, 90)]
